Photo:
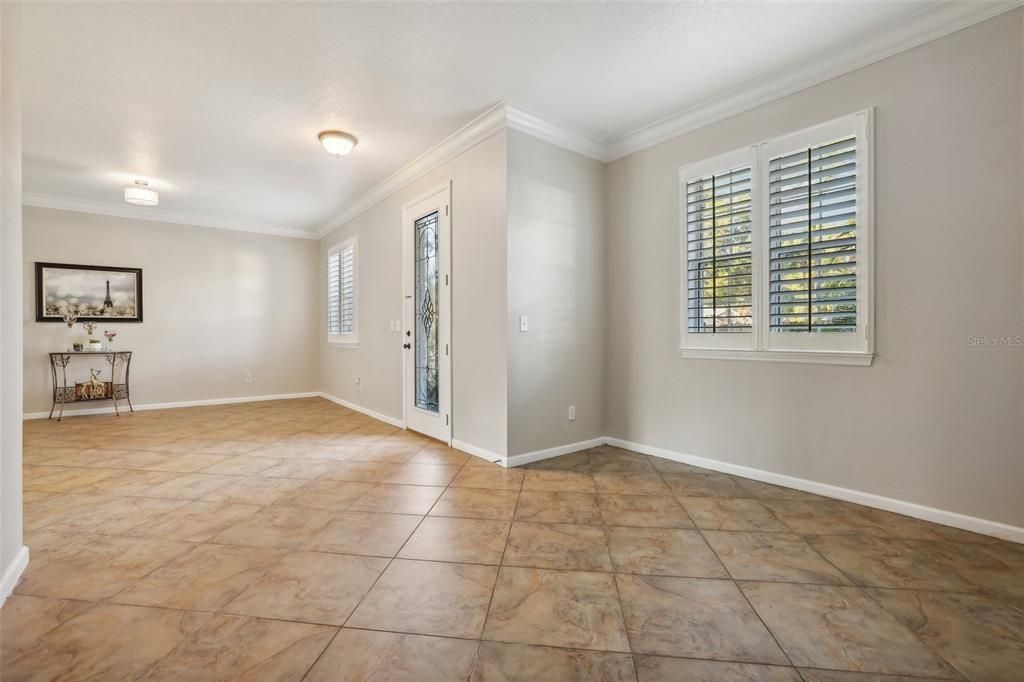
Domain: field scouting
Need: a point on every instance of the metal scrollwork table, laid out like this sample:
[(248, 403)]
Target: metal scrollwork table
[(117, 387)]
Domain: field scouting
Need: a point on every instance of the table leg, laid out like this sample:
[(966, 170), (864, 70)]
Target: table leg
[(63, 389), (112, 359)]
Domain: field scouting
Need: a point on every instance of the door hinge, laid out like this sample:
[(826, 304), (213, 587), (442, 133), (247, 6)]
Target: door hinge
[(446, 209), (446, 349), (446, 280), (446, 420)]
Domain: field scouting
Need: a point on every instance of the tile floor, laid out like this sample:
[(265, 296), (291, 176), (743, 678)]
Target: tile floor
[(299, 540)]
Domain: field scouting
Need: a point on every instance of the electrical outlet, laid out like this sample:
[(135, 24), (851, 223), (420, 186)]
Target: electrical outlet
[(572, 413), (359, 382), (248, 377)]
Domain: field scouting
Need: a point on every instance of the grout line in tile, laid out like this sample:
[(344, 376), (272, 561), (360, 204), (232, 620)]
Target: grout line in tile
[(370, 589), (739, 589), (508, 538), (935, 652), (391, 560), (737, 586)]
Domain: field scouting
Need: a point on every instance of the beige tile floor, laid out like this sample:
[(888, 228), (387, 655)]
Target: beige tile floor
[(300, 540)]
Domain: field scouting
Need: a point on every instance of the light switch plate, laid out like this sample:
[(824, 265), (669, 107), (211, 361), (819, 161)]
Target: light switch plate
[(523, 323)]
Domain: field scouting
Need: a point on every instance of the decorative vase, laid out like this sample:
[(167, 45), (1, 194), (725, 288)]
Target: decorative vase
[(95, 345)]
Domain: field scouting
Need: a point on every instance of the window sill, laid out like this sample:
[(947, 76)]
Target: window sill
[(800, 356), (339, 343)]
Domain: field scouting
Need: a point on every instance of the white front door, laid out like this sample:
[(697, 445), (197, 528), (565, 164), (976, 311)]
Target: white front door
[(426, 333)]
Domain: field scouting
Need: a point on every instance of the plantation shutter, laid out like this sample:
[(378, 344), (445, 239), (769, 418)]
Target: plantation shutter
[(347, 289), (333, 293), (718, 252), (812, 222)]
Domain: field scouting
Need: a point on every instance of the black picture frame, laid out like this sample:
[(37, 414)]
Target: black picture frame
[(41, 312)]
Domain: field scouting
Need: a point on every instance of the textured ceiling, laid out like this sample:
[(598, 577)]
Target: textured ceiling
[(219, 104)]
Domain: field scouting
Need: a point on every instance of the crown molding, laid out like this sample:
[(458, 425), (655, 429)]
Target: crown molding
[(466, 137), (555, 133), (501, 116), (925, 26), (160, 215)]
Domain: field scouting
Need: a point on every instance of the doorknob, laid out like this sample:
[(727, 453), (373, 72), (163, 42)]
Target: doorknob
[(406, 345)]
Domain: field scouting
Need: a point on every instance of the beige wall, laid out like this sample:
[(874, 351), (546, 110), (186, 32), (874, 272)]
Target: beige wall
[(556, 269), (217, 304), (10, 296), (479, 356), (934, 421)]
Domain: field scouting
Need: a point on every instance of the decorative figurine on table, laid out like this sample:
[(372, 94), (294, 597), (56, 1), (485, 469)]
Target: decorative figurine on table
[(70, 317), (110, 334), (92, 344), (96, 388)]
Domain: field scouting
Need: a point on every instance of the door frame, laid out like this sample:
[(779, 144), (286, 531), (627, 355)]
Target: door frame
[(443, 193)]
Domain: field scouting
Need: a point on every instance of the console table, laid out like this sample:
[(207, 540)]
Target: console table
[(115, 389)]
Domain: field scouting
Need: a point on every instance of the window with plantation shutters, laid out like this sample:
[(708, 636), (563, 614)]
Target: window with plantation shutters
[(776, 260), (718, 252), (341, 293), (717, 207), (812, 228)]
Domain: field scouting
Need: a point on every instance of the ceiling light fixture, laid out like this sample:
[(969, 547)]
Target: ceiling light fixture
[(141, 195), (337, 142)]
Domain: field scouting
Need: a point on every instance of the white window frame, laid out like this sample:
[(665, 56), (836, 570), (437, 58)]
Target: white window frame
[(347, 339), (855, 348)]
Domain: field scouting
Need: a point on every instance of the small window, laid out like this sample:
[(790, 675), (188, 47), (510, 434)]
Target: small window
[(777, 259), (342, 323)]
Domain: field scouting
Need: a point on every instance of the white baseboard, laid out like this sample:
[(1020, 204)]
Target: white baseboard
[(364, 410), (123, 405), (538, 455), (918, 511), (12, 574), (476, 451)]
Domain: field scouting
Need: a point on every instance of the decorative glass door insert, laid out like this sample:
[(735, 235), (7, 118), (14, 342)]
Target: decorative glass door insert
[(425, 339)]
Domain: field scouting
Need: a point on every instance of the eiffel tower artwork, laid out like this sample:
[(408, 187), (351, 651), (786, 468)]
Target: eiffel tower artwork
[(108, 304)]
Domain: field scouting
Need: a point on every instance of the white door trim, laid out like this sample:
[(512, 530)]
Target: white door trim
[(440, 196)]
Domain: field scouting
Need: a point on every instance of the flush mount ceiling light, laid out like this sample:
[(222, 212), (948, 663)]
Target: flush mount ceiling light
[(141, 195), (337, 142)]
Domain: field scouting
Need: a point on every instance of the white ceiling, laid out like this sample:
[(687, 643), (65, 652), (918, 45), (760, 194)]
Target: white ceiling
[(218, 104)]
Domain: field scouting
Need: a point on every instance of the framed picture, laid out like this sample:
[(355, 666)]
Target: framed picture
[(95, 292)]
